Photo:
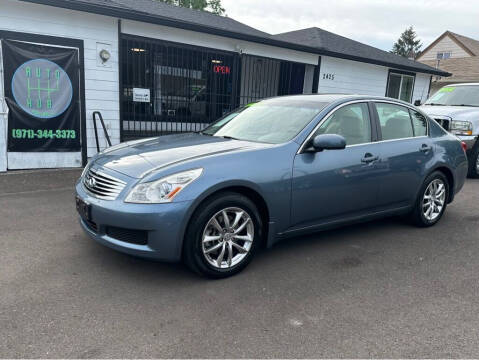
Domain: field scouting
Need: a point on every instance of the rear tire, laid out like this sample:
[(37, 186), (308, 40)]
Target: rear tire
[(216, 248), (431, 201), (474, 162)]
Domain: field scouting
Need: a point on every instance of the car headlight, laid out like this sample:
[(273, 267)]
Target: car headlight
[(163, 190), (461, 127)]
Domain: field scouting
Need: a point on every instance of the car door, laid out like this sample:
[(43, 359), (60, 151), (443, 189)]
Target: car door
[(406, 149), (334, 184)]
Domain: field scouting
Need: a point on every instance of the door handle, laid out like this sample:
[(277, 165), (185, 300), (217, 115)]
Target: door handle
[(369, 158), (425, 148)]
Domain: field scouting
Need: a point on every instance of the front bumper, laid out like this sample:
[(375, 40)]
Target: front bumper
[(163, 224)]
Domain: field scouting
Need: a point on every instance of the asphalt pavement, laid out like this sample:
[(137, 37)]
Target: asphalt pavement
[(381, 289)]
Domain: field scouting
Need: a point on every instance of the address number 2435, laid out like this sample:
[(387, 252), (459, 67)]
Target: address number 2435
[(328, 76)]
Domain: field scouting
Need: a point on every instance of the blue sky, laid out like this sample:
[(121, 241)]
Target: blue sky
[(375, 22)]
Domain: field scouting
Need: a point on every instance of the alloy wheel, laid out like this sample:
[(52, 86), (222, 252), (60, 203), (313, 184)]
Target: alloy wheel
[(434, 199), (228, 238)]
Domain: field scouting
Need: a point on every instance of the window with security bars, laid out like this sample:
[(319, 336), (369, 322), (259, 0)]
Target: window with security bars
[(190, 87)]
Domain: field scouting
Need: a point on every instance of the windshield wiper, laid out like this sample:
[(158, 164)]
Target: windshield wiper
[(434, 104)]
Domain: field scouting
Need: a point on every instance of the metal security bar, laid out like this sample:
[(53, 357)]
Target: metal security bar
[(265, 77), (171, 88)]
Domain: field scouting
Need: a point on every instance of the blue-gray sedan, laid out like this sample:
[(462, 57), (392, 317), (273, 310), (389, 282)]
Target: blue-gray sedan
[(282, 167)]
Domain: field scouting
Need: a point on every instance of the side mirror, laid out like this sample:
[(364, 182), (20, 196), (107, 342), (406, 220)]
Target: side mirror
[(417, 103), (328, 142)]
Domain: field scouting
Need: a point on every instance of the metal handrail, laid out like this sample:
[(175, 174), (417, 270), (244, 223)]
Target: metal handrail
[(95, 114)]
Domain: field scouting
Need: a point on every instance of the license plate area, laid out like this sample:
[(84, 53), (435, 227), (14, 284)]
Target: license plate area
[(83, 208)]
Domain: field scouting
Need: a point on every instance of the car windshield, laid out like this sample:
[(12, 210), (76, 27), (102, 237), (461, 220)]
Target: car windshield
[(464, 95), (272, 122)]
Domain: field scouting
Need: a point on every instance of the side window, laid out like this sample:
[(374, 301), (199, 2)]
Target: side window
[(395, 121), (419, 122), (351, 121)]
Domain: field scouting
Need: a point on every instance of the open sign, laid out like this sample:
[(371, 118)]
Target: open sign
[(222, 69)]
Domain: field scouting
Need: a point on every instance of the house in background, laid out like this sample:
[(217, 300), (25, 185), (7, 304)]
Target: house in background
[(455, 54)]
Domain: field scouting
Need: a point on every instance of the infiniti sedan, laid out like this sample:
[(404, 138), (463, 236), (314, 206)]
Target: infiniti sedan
[(279, 168)]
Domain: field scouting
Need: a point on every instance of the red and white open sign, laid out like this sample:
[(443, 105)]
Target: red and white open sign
[(222, 69)]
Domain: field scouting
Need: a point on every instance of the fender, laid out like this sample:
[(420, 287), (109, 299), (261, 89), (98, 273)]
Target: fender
[(220, 187)]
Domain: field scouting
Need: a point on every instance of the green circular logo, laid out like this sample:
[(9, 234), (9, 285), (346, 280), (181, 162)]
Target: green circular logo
[(42, 88)]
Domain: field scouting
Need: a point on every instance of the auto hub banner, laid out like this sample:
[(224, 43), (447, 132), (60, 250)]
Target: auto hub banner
[(42, 92)]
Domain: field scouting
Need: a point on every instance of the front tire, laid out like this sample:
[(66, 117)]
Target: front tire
[(223, 235), (474, 162), (431, 201)]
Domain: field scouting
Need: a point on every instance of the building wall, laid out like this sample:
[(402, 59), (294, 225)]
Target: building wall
[(101, 82), (446, 44), (217, 42), (308, 79), (421, 87), (351, 77), (462, 70)]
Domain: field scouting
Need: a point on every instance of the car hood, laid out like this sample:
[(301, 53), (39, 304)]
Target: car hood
[(453, 112), (137, 158)]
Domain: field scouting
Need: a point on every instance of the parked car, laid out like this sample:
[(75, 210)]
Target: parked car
[(283, 167), (456, 108)]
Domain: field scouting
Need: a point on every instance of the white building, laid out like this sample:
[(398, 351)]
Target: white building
[(150, 68)]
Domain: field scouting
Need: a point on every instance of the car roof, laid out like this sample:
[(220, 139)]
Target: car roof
[(333, 98)]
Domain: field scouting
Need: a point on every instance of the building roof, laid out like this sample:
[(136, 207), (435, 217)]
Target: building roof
[(313, 40), (334, 44), (167, 11), (471, 46)]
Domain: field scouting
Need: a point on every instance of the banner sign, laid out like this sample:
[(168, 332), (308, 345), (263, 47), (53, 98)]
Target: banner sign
[(42, 92)]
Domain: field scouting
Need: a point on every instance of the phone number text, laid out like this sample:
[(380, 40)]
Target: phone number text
[(43, 134)]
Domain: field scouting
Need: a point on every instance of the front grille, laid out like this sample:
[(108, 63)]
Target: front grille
[(101, 185), (445, 123), (138, 237)]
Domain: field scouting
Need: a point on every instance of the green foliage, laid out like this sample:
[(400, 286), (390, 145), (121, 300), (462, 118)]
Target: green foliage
[(213, 6), (408, 45)]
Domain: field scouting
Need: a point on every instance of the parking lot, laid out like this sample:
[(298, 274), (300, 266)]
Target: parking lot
[(382, 289)]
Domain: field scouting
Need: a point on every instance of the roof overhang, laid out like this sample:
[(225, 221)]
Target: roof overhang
[(160, 20)]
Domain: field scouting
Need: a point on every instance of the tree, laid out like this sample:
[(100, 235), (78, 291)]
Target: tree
[(408, 45), (213, 6)]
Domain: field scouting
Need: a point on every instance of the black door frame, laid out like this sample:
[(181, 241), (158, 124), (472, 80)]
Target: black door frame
[(60, 41)]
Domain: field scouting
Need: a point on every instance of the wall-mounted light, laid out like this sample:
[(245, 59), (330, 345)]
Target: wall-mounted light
[(105, 55), (138, 50), (239, 49), (216, 61)]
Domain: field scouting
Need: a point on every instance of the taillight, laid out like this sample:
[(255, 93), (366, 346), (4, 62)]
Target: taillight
[(464, 146)]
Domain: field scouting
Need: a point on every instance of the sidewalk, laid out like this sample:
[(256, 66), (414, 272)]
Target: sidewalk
[(37, 180)]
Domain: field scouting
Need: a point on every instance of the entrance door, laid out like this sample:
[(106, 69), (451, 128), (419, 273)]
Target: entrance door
[(41, 89)]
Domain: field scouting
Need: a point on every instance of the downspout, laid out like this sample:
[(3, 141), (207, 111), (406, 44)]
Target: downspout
[(3, 118), (120, 81)]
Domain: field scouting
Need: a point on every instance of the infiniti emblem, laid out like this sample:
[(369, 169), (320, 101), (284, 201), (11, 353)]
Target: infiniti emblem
[(91, 182)]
